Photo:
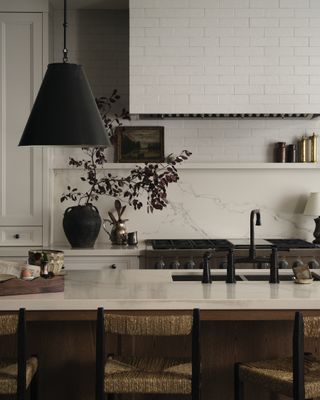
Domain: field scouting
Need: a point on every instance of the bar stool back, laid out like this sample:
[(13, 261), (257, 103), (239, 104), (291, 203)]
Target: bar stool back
[(17, 376), (122, 374), (297, 377)]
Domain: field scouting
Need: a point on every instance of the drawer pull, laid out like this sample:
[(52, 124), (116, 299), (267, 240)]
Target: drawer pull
[(17, 236), (113, 266)]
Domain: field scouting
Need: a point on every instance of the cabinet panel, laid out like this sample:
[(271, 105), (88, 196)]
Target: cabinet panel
[(20, 236), (97, 263), (20, 79)]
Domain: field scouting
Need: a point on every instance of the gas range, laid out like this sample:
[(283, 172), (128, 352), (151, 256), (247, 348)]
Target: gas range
[(221, 244), (188, 253)]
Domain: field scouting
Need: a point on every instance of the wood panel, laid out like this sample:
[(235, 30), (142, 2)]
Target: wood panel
[(67, 353)]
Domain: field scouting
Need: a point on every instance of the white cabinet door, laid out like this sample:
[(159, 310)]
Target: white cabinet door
[(20, 78)]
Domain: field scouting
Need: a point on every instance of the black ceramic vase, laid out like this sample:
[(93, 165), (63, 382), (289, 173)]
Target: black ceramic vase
[(82, 225)]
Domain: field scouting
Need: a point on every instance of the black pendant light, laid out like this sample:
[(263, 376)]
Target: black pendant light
[(65, 112)]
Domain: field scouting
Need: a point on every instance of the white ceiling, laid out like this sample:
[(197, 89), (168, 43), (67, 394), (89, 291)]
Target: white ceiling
[(92, 4)]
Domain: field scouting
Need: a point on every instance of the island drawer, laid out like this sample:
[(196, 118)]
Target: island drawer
[(100, 262)]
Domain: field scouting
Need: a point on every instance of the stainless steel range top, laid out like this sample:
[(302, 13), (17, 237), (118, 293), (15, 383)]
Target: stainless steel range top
[(188, 253)]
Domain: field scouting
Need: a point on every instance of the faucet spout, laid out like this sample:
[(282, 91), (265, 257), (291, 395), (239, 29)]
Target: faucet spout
[(252, 250)]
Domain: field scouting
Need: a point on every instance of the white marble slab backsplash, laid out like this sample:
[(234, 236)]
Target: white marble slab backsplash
[(214, 203)]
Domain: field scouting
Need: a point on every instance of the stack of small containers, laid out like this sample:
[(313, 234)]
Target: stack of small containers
[(306, 150)]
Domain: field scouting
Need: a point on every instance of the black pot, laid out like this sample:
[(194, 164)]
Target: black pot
[(82, 225)]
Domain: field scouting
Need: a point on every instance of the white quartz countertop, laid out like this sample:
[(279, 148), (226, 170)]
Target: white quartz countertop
[(101, 249), (154, 289)]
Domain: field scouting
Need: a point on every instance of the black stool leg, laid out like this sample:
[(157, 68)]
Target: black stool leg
[(238, 384), (34, 387)]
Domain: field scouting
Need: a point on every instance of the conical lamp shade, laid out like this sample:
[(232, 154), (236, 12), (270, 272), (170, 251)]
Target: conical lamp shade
[(65, 112)]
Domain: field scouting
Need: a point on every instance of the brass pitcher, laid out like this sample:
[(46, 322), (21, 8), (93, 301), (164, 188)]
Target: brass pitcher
[(118, 234)]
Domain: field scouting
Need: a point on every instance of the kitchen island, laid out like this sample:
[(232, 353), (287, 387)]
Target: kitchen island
[(243, 321)]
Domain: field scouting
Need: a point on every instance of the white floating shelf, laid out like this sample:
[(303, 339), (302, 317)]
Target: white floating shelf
[(212, 165)]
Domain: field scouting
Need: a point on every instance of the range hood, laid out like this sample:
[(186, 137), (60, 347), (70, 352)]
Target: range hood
[(224, 116)]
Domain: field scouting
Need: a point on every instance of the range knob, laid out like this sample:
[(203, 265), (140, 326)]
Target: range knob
[(190, 264), (160, 264), (283, 263), (313, 264), (175, 264), (297, 263)]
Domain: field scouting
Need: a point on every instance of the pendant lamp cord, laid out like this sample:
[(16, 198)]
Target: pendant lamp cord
[(65, 25)]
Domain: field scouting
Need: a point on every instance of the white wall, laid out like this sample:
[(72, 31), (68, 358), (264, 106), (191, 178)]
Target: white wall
[(212, 203), (224, 56)]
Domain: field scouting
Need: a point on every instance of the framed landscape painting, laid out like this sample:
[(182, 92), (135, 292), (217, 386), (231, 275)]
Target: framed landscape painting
[(140, 144)]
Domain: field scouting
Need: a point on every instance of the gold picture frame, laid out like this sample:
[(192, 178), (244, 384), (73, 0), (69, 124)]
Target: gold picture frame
[(139, 144)]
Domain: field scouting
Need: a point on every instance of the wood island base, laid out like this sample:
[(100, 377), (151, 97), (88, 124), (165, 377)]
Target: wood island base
[(65, 344)]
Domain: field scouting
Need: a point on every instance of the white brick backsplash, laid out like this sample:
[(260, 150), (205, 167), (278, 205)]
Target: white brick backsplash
[(264, 61), (234, 61), (174, 22), (188, 89), (249, 51), (281, 32), (203, 22), (294, 60), (225, 53), (219, 89), (278, 51), (249, 32), (174, 13), (146, 22), (173, 41), (314, 60), (294, 99), (249, 89), (249, 13), (307, 51), (264, 99), (279, 89), (234, 41), (294, 3), (307, 89), (264, 4), (234, 22), (265, 22), (221, 13), (263, 41), (218, 32), (234, 79), (296, 22), (249, 70)]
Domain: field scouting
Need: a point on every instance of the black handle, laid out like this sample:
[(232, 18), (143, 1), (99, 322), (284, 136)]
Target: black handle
[(274, 268), (113, 266), (17, 236), (231, 268)]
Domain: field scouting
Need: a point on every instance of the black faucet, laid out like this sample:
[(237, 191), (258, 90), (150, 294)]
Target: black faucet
[(206, 276), (252, 249), (252, 256)]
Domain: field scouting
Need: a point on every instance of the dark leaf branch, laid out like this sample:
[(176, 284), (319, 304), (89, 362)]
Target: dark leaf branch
[(145, 185), (149, 179)]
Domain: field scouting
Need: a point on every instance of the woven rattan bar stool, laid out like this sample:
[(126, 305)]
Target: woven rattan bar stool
[(122, 374), (17, 376), (297, 377)]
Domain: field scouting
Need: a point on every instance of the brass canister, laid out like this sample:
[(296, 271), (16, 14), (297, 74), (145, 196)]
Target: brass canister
[(303, 149), (314, 148)]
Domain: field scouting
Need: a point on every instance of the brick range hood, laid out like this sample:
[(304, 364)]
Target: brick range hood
[(224, 59)]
